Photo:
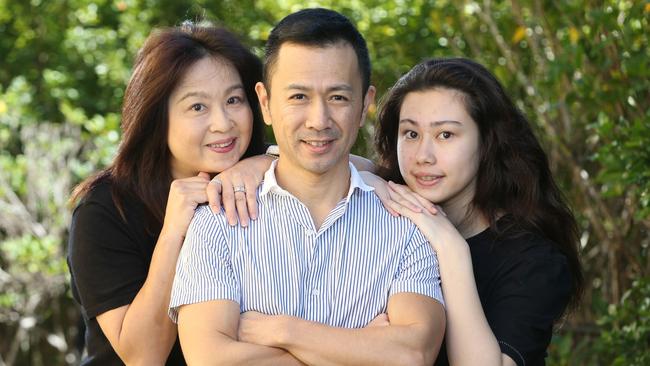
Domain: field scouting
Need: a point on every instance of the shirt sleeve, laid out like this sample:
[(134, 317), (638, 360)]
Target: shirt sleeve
[(418, 270), (105, 259), (527, 301), (203, 270)]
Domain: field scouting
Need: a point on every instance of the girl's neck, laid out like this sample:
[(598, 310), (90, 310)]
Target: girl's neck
[(468, 222)]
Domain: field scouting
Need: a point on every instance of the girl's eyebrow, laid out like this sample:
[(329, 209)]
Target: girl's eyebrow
[(433, 123)]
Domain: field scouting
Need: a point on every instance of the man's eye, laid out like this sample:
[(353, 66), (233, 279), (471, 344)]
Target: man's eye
[(339, 98), (298, 97), (234, 100)]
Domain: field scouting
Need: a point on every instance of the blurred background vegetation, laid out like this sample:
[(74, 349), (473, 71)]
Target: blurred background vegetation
[(579, 69)]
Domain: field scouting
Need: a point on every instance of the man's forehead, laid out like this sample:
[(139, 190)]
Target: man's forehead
[(296, 62)]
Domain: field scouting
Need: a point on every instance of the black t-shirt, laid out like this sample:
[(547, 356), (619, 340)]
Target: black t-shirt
[(108, 260), (524, 285)]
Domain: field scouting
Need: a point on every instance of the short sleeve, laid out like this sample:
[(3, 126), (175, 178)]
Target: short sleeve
[(418, 271), (203, 270), (105, 260), (527, 302)]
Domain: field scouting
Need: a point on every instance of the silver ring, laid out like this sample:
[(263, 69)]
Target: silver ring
[(240, 189), (215, 180)]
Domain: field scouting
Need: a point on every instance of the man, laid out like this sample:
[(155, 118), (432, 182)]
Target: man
[(323, 257)]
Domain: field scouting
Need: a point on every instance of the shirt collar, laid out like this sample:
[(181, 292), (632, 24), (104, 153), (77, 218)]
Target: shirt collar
[(270, 183)]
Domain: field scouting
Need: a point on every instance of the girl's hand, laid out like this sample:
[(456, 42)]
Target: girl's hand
[(236, 189), (387, 197), (184, 195), (434, 224)]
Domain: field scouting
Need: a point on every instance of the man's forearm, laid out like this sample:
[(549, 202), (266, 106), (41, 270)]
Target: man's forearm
[(319, 344), (409, 343), (208, 334), (231, 352)]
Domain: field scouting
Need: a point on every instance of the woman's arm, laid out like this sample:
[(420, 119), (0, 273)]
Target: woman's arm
[(141, 333)]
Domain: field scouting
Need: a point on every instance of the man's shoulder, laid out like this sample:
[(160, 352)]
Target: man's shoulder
[(368, 207)]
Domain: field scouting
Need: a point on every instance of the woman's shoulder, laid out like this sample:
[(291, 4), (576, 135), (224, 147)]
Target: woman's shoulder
[(104, 193)]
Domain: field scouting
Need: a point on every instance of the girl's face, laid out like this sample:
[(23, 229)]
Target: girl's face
[(210, 120), (438, 147)]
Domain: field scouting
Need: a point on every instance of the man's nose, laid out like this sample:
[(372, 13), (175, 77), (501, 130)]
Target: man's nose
[(319, 116)]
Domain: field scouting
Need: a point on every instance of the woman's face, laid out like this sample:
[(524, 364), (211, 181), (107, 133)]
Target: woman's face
[(210, 120), (438, 147)]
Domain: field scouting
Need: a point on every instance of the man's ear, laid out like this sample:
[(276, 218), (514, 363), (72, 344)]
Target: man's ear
[(263, 97), (368, 100)]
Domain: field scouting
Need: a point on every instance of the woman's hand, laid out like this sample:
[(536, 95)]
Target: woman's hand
[(184, 195), (236, 189)]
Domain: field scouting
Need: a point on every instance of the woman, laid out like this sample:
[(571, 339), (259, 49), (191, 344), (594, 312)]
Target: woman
[(189, 109), (505, 239)]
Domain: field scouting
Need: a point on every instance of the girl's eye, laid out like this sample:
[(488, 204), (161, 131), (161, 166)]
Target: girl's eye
[(197, 107), (445, 135), (410, 134)]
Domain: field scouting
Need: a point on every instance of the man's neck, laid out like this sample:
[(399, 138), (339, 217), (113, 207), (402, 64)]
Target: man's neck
[(319, 192)]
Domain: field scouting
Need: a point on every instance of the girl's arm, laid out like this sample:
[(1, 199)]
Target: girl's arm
[(469, 338)]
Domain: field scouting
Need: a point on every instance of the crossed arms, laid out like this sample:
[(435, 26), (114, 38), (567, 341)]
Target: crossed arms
[(212, 333)]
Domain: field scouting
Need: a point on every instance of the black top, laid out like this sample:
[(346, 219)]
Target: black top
[(108, 260), (524, 285)]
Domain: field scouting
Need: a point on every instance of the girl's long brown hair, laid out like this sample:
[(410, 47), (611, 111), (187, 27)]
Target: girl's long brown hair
[(514, 179), (141, 170)]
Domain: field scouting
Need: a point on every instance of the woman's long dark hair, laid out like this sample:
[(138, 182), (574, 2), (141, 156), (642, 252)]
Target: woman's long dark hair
[(142, 169), (514, 179)]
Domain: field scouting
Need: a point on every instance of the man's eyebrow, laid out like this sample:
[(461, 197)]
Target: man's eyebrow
[(433, 123), (337, 87), (296, 87)]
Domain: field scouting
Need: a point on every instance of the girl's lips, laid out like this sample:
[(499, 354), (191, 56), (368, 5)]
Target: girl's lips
[(222, 146), (428, 180)]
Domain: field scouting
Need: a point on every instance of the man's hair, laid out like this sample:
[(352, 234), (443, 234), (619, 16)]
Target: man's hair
[(318, 28)]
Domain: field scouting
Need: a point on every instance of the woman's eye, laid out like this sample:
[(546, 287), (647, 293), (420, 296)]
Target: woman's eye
[(197, 107)]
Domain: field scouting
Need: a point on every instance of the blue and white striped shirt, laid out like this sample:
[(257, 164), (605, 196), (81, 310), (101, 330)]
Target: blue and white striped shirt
[(341, 274)]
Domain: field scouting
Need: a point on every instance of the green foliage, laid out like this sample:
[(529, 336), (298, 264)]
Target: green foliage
[(625, 337)]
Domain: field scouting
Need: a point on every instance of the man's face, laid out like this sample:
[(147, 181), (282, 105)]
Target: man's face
[(315, 106)]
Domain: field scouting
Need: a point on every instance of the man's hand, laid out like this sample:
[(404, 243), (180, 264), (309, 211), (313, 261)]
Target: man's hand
[(259, 328)]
